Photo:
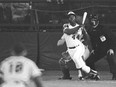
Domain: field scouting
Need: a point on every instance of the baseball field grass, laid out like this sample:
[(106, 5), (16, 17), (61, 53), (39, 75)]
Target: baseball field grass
[(50, 79)]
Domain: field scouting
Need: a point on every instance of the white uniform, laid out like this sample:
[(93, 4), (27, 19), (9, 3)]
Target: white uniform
[(75, 48), (18, 70)]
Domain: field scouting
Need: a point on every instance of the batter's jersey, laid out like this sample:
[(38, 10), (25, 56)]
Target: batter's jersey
[(19, 68), (71, 40)]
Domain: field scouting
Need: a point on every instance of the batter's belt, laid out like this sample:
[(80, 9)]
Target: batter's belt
[(73, 47)]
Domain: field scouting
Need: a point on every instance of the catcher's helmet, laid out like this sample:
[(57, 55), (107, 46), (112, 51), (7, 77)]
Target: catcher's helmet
[(94, 20), (94, 17)]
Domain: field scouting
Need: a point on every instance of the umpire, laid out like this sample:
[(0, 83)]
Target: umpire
[(103, 42)]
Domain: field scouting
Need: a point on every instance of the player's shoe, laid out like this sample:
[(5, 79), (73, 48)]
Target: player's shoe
[(93, 75), (114, 77), (81, 78), (65, 78), (96, 77)]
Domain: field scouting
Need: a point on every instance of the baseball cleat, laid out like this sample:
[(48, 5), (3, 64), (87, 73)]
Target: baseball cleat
[(81, 78), (113, 78), (97, 77), (94, 77)]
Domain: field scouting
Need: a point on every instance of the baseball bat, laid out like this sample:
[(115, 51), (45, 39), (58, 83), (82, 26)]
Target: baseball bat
[(84, 17)]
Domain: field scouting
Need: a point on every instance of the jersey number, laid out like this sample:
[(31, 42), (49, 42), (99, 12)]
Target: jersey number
[(16, 68)]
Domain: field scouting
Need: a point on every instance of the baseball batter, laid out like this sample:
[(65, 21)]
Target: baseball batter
[(75, 47), (19, 71)]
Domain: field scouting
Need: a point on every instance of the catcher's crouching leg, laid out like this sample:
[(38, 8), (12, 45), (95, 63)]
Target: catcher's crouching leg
[(64, 67)]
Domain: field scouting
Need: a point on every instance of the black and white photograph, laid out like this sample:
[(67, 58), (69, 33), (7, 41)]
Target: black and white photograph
[(57, 43)]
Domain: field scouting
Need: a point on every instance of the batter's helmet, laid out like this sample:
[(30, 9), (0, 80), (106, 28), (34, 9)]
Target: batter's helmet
[(71, 13)]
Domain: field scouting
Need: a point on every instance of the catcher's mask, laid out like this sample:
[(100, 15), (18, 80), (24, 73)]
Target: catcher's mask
[(94, 20)]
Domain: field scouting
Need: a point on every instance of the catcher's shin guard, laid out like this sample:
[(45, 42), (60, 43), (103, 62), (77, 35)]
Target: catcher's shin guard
[(65, 70), (63, 65), (66, 73), (114, 76)]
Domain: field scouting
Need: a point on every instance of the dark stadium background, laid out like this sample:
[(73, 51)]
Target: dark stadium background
[(41, 28)]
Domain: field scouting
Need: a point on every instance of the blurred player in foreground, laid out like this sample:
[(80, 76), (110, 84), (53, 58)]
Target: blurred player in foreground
[(19, 71)]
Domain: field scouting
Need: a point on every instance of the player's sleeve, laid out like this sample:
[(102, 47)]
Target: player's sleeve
[(36, 75), (1, 74), (2, 64), (63, 37), (61, 41), (2, 68), (65, 26), (71, 31), (35, 71)]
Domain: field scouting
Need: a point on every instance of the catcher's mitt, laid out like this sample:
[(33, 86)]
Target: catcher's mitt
[(66, 56)]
